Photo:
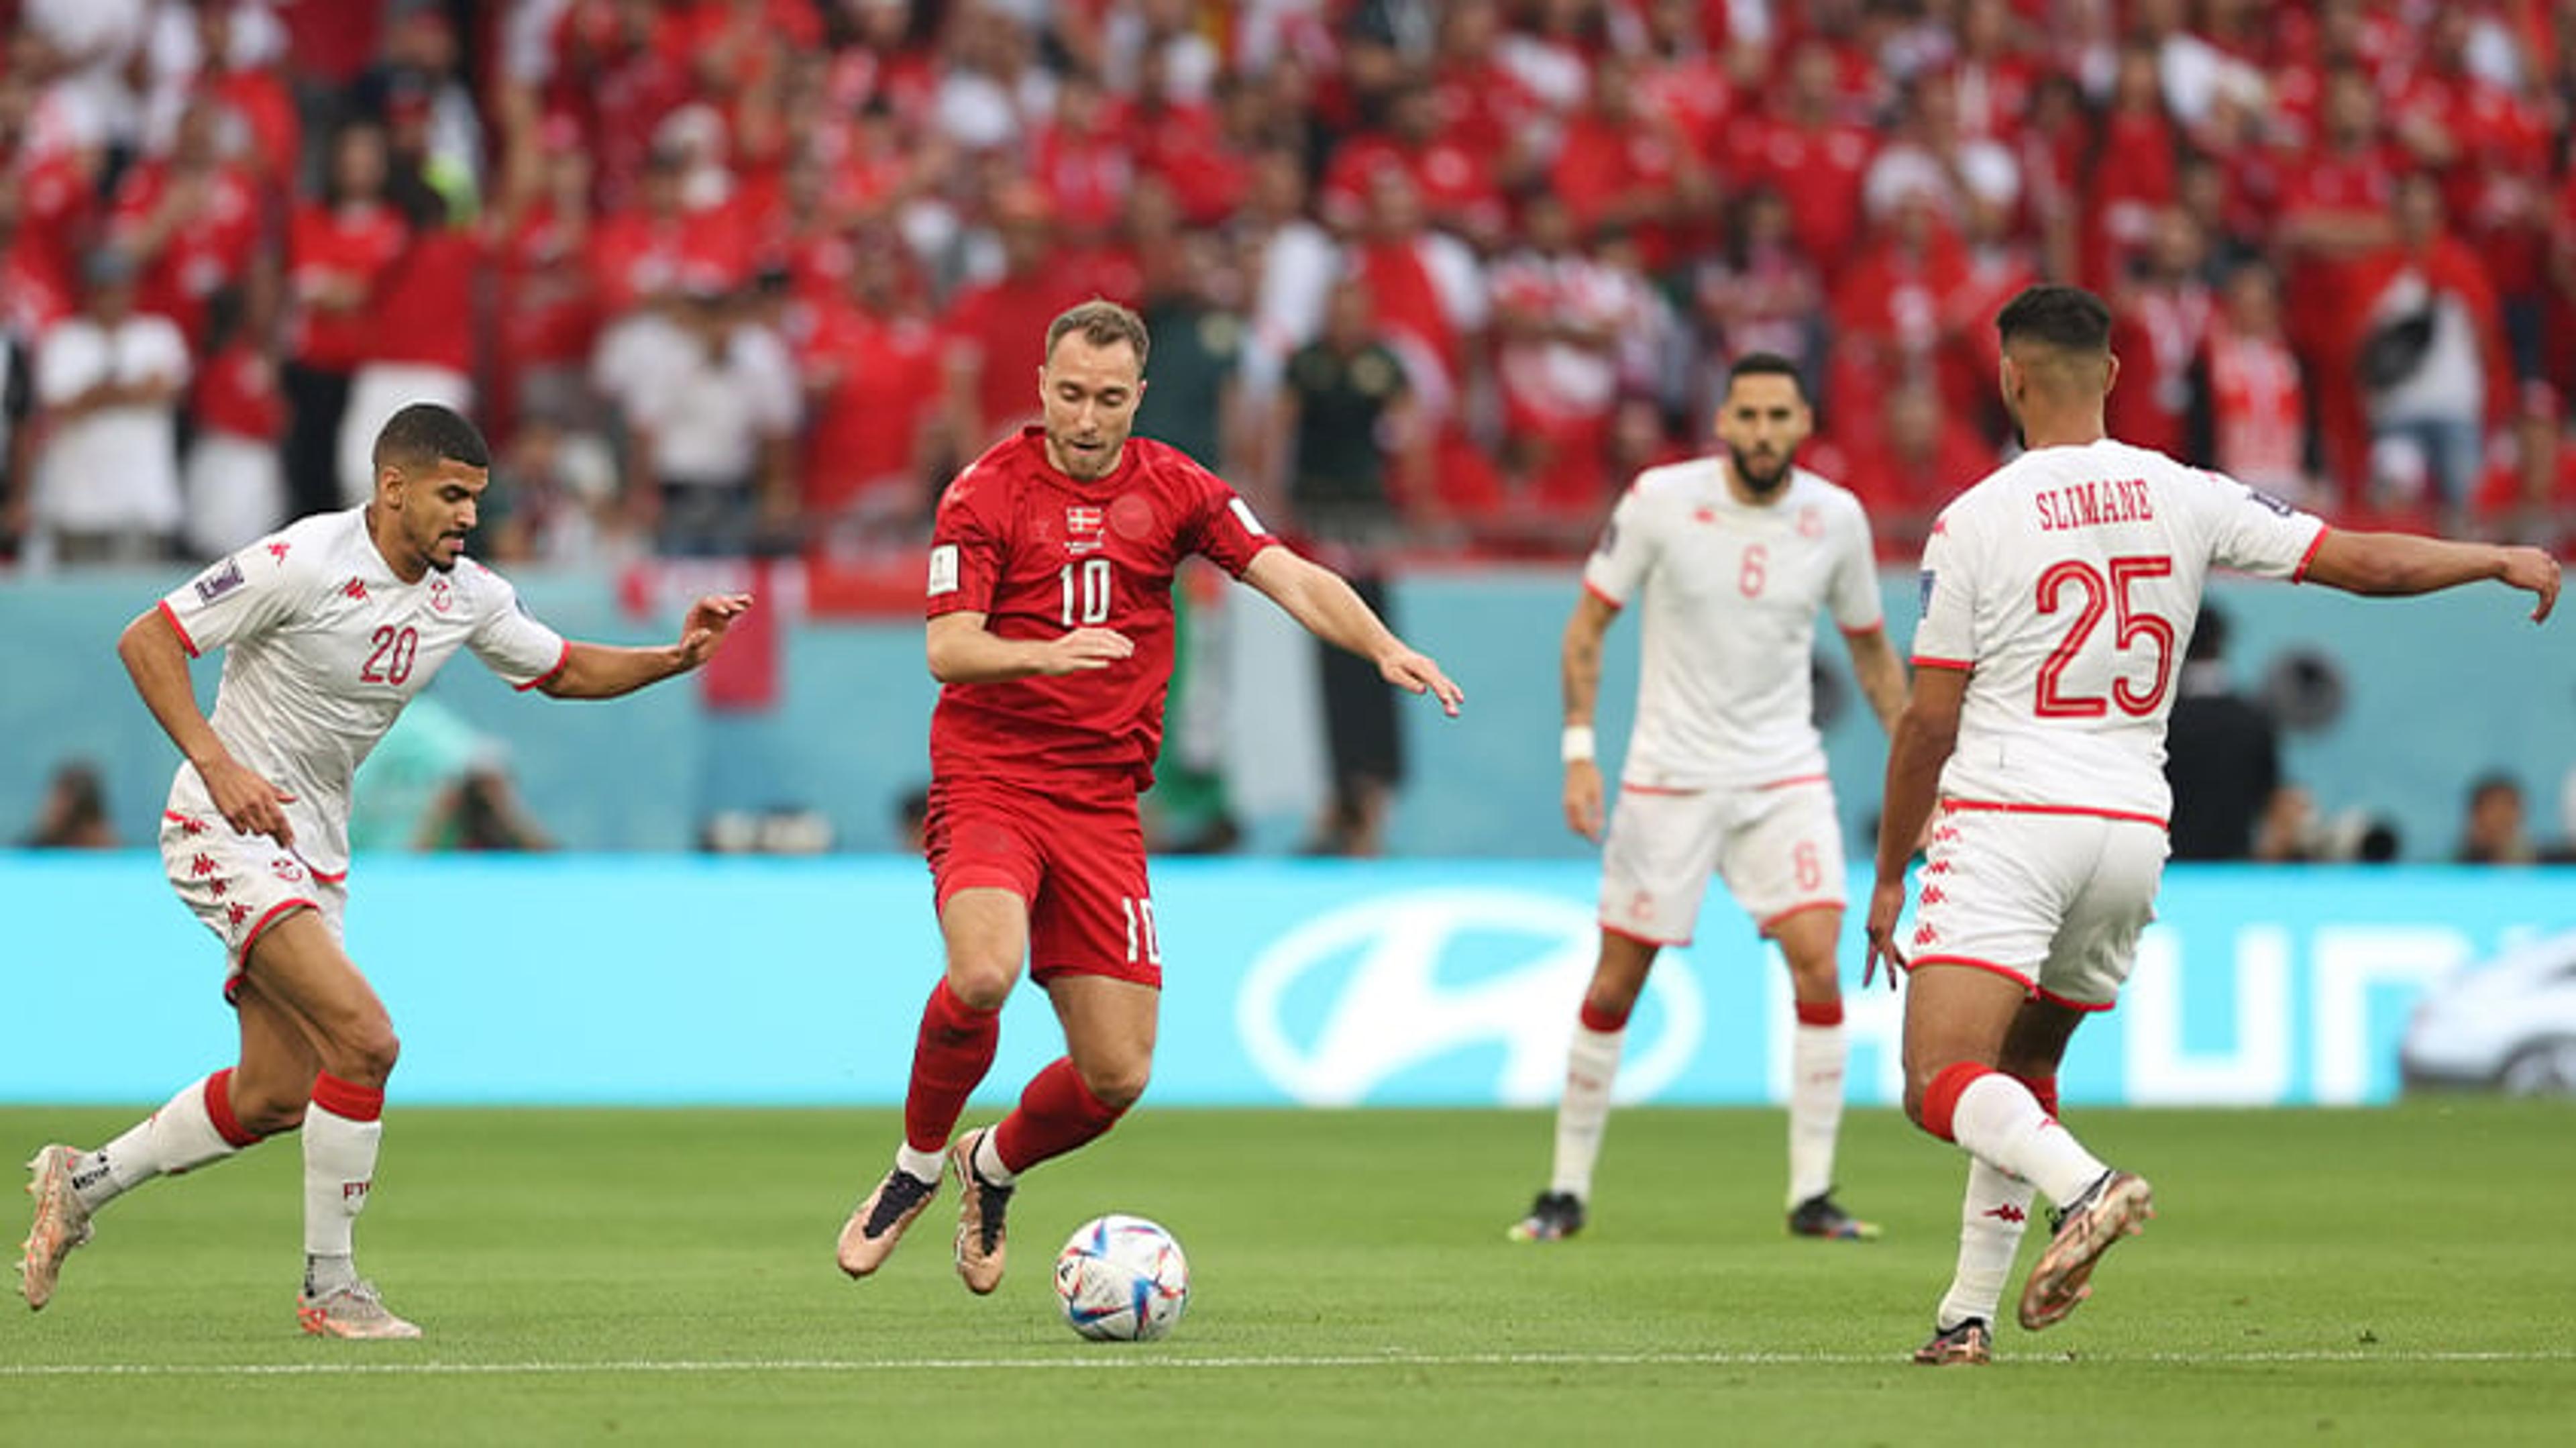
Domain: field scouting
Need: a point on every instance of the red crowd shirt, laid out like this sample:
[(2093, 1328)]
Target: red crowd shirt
[(356, 241), (237, 394), (425, 312), (1818, 173), (199, 257), (1040, 554), (1001, 326), (867, 422)]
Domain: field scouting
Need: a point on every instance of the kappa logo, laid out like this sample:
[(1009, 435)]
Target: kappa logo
[(1401, 986), (277, 551), (2007, 1212), (355, 588)]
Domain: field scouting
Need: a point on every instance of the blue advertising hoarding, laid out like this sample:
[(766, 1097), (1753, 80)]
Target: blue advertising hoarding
[(674, 979)]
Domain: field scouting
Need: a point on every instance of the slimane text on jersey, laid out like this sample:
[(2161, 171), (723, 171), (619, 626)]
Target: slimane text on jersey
[(2090, 504)]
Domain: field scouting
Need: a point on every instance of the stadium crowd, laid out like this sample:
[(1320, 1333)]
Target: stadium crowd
[(727, 276)]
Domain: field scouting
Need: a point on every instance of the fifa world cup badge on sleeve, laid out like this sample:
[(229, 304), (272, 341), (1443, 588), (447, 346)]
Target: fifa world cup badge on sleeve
[(1924, 603), (215, 582), (943, 569)]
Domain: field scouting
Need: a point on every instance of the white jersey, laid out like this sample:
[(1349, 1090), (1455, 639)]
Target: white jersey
[(323, 647), (2067, 583), (1731, 594)]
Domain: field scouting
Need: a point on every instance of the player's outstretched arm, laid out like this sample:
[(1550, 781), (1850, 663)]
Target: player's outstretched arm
[(1325, 604), (158, 664), (604, 671), (2402, 564), (1924, 736)]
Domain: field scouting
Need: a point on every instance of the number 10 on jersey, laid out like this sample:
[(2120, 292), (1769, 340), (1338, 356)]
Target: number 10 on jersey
[(1086, 591)]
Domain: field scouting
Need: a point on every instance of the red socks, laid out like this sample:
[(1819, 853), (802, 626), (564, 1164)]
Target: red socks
[(1057, 1113), (949, 1060)]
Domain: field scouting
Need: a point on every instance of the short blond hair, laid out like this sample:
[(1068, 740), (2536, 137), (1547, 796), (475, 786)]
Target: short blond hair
[(1102, 323)]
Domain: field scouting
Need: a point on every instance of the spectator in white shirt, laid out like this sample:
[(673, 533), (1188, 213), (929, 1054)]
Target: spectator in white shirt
[(106, 473)]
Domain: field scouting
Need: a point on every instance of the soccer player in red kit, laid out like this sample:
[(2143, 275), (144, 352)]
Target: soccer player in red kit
[(1050, 624)]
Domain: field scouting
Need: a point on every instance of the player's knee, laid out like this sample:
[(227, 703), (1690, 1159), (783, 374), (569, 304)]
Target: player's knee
[(367, 1054), (981, 986), (266, 1110), (1119, 1085)]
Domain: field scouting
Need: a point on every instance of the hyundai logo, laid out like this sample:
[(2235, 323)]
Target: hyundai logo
[(1348, 1001)]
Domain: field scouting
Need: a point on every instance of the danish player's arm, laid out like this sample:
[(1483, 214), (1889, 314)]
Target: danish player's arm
[(604, 671), (158, 663), (1925, 734), (1579, 666), (963, 651), (1325, 605), (2401, 564)]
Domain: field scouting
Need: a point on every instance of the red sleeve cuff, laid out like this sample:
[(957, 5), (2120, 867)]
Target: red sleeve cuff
[(179, 628), (540, 680), (2300, 573), (1926, 661)]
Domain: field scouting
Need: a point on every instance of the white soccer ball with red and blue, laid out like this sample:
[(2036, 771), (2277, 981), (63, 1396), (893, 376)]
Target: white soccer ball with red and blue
[(1122, 1278)]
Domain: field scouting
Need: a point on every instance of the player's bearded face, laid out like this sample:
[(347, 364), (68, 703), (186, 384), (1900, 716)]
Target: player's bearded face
[(1761, 422), (438, 509), (1089, 393)]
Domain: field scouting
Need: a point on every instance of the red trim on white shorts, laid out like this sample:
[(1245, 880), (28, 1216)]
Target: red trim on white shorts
[(560, 660), (2053, 998), (275, 913), (2008, 973), (1865, 630), (1926, 661), (1609, 929), (2300, 573), (178, 628), (1801, 908), (2007, 807), (1973, 963), (1659, 790), (1594, 589), (1791, 782), (326, 877)]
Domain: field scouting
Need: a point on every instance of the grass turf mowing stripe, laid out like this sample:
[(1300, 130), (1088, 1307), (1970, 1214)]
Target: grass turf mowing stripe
[(1223, 1364)]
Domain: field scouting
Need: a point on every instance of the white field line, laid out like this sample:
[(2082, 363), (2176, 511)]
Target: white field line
[(1146, 1360)]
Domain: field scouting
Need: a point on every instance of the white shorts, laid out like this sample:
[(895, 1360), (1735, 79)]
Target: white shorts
[(1779, 849), (2054, 900), (240, 885)]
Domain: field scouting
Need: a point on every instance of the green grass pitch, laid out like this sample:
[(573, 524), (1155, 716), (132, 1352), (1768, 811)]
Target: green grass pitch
[(2392, 1276)]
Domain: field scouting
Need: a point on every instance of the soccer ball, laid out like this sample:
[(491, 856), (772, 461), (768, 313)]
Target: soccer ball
[(1122, 1278)]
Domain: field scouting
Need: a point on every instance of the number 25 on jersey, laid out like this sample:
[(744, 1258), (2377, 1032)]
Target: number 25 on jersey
[(2094, 596)]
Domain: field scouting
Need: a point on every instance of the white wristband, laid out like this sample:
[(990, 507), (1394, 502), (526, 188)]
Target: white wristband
[(1578, 743)]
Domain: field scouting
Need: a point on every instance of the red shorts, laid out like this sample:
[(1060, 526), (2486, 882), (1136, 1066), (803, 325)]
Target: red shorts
[(1075, 855)]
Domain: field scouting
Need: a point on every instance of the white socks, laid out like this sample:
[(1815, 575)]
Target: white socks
[(1591, 1069), (2003, 1124), (1992, 1217), (179, 1136), (339, 1171), (988, 1161), (921, 1166), (1816, 1056)]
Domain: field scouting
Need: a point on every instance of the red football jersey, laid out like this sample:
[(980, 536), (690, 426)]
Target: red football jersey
[(1041, 554)]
